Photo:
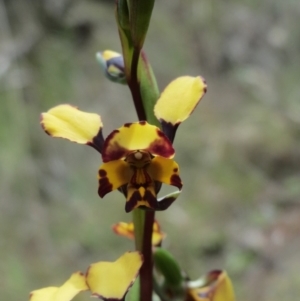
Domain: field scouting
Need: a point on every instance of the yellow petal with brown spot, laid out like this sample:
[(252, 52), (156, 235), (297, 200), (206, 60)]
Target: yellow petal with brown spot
[(111, 280), (66, 121), (66, 292), (136, 136), (113, 175), (179, 99), (165, 171)]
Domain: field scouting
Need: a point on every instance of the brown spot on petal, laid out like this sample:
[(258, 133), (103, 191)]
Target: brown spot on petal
[(160, 133), (104, 186), (161, 146), (102, 173), (176, 181), (143, 122), (113, 151), (127, 125), (162, 149), (175, 169)]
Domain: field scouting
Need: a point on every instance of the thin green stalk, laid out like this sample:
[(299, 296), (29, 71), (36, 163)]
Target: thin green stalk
[(138, 217), (143, 220)]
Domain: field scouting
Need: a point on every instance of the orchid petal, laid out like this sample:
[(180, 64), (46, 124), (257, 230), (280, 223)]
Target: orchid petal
[(113, 175), (66, 292), (136, 136), (178, 101), (66, 121), (112, 280), (165, 171)]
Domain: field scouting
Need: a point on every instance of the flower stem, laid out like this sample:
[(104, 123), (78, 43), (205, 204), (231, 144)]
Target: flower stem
[(138, 217), (143, 220), (146, 271), (134, 86)]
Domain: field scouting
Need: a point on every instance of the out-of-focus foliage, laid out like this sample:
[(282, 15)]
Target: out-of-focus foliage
[(241, 195)]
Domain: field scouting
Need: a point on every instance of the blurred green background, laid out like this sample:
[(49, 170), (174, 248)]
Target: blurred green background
[(239, 152)]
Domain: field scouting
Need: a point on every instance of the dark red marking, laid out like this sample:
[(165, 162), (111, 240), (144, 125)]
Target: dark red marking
[(112, 152), (143, 122), (176, 181), (136, 184), (104, 187), (127, 125), (160, 133), (175, 169), (150, 199), (132, 202), (162, 148), (102, 173)]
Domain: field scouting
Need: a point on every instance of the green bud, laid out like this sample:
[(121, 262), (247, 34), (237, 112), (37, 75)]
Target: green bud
[(112, 65)]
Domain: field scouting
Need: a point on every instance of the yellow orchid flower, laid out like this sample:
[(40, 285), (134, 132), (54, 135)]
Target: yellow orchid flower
[(138, 156)]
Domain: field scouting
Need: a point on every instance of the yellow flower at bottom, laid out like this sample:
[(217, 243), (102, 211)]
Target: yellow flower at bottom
[(127, 230)]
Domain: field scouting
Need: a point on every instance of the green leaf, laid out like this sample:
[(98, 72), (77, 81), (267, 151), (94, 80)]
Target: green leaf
[(139, 15), (149, 88), (167, 265)]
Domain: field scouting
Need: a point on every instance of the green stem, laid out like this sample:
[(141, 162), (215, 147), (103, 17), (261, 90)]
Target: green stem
[(138, 217)]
